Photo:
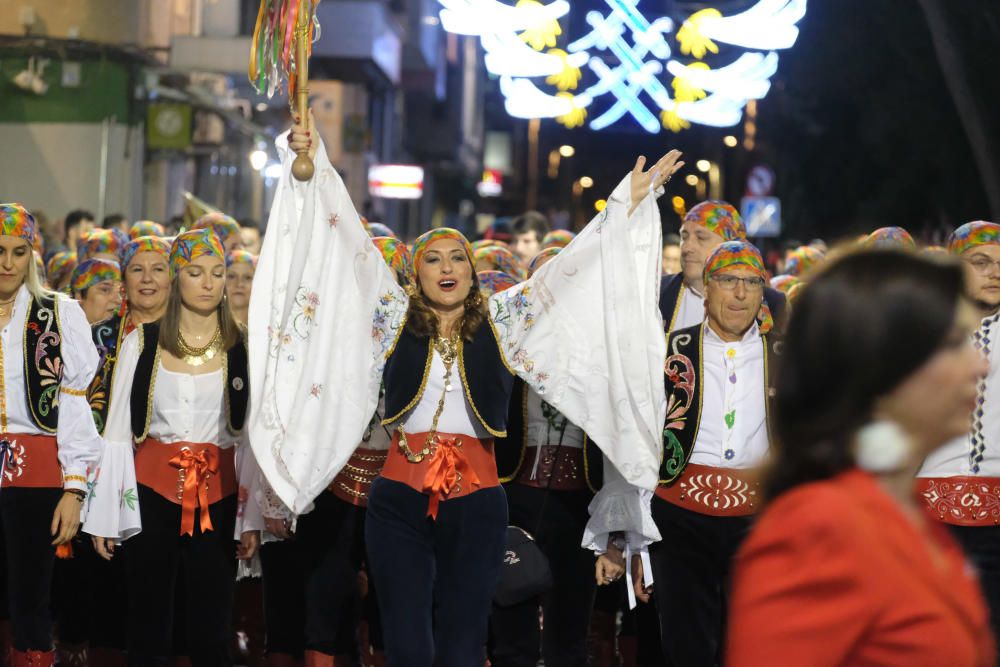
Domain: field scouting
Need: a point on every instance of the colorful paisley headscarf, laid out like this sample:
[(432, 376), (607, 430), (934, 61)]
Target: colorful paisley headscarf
[(241, 257), (60, 265), (193, 244), (486, 243), (224, 226), (744, 255), (378, 229), (93, 271), (492, 282), (15, 220), (146, 228), (973, 234), (802, 259), (890, 237), (144, 244), (427, 238), (784, 283), (397, 256), (501, 258), (719, 218), (558, 238), (98, 242), (537, 261)]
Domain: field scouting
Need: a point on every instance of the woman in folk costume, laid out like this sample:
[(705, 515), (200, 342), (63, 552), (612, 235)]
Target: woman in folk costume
[(550, 470), (447, 357), (90, 618), (240, 267), (96, 285), (311, 569), (60, 270), (225, 227), (179, 391), (47, 437)]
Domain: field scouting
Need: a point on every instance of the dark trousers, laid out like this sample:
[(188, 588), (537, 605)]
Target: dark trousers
[(982, 548), (436, 578), (152, 561), (311, 581), (567, 605), (691, 569), (27, 557)]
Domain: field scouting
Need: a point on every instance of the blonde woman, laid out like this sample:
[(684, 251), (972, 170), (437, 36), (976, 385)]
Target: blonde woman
[(47, 437)]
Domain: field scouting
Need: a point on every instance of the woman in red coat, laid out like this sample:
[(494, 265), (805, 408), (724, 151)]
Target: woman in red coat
[(842, 567)]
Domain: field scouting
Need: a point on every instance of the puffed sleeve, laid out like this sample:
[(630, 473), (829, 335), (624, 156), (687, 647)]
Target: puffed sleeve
[(77, 437), (324, 312), (113, 501), (620, 507), (799, 593), (585, 332)]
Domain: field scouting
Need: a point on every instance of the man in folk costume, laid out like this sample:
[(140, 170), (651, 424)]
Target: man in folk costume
[(682, 295), (960, 482), (716, 435)]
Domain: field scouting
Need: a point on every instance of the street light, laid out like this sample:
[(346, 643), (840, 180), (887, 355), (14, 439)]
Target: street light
[(703, 165), (258, 159), (691, 180), (730, 141), (567, 151), (600, 205), (586, 181)]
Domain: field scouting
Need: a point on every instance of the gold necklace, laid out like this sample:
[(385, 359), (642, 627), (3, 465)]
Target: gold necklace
[(196, 356), (7, 307), (448, 349)]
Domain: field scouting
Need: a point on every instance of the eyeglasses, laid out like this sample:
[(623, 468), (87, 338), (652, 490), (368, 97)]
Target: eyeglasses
[(982, 265), (729, 283)]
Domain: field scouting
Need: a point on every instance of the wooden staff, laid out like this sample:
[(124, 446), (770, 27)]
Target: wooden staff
[(302, 168)]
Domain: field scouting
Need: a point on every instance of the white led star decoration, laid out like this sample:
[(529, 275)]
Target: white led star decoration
[(632, 69)]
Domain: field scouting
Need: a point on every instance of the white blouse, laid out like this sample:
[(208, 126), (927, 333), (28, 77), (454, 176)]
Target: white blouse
[(186, 408), (79, 444), (457, 416)]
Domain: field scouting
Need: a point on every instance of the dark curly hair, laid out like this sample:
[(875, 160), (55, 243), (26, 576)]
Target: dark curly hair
[(422, 321)]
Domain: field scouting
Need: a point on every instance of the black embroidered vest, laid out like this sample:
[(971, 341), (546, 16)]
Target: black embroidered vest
[(43, 368), (683, 377), (234, 377), (511, 449), (486, 379), (108, 336)]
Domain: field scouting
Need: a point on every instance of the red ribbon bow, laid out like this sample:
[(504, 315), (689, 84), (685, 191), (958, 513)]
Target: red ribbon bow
[(197, 467), (447, 467)]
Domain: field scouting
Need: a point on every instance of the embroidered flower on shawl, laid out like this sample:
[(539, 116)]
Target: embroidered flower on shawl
[(130, 499), (316, 390)]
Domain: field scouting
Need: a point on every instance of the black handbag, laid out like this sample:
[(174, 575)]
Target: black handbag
[(525, 572)]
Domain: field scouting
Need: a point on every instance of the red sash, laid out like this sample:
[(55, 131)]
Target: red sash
[(459, 465), (193, 475), (30, 461), (714, 491)]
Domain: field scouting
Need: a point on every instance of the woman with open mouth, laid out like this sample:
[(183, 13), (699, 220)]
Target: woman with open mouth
[(437, 516)]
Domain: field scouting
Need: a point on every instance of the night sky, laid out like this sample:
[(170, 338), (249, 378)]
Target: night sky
[(860, 125)]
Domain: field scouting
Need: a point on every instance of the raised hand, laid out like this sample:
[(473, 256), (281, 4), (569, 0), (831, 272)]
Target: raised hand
[(645, 181)]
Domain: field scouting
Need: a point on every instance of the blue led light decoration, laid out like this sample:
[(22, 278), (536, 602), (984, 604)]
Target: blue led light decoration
[(631, 64)]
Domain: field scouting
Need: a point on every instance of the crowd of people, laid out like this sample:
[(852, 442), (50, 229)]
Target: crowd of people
[(609, 447)]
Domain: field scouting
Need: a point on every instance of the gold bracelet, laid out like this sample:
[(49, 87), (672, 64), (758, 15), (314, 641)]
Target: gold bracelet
[(73, 392), (74, 478)]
